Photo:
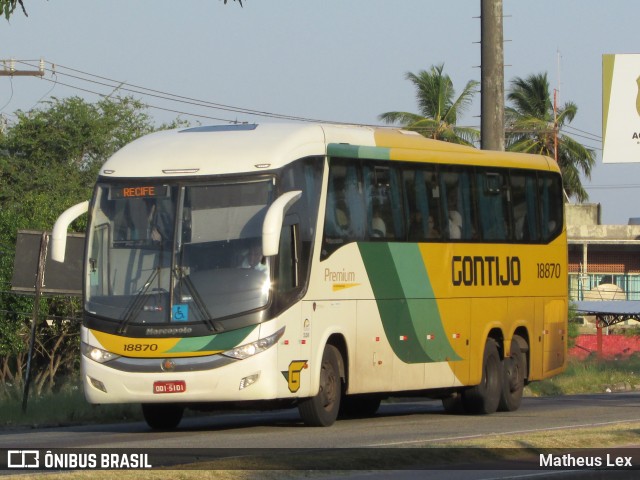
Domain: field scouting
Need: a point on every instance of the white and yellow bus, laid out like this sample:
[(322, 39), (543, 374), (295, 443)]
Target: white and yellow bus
[(322, 266)]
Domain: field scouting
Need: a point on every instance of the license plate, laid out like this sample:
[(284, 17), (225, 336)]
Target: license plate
[(175, 386)]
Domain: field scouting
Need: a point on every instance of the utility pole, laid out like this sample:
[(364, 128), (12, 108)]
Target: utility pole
[(492, 76), (9, 70)]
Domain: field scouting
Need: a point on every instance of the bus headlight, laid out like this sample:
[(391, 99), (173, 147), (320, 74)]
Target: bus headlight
[(97, 354), (250, 349)]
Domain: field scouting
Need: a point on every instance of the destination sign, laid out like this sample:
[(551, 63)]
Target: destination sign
[(139, 191)]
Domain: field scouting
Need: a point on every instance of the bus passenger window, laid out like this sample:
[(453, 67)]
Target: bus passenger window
[(524, 206), (344, 213), (550, 191), (493, 196), (458, 205), (422, 202), (384, 202)]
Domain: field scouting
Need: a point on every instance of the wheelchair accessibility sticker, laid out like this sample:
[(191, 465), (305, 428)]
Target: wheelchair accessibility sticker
[(180, 312)]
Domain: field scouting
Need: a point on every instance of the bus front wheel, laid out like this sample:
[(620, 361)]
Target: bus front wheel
[(162, 416), (322, 409), (485, 397)]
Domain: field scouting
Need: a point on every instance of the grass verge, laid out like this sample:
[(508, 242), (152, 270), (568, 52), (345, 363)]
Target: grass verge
[(591, 375), (65, 407)]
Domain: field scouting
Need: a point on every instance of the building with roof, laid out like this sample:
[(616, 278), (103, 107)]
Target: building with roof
[(604, 260)]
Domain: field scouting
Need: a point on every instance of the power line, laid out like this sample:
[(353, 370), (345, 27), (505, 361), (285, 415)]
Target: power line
[(114, 85), (93, 92), (611, 187), (595, 136), (184, 99), (136, 89), (574, 134)]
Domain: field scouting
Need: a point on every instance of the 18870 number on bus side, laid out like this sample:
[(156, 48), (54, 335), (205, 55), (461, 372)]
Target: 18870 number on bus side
[(548, 270)]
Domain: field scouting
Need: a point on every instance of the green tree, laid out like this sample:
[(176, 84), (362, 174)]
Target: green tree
[(7, 7), (439, 107), (49, 160), (531, 127)]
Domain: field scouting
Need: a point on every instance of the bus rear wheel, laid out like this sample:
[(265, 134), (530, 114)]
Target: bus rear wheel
[(322, 409), (485, 397), (162, 416), (513, 379)]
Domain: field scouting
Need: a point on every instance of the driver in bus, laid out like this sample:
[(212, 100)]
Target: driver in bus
[(253, 258)]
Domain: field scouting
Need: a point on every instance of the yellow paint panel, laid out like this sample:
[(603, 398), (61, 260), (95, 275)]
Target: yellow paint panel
[(143, 347), (483, 270), (342, 286), (416, 148)]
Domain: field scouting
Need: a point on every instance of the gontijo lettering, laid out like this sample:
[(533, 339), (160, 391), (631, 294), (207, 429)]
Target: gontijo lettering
[(488, 270)]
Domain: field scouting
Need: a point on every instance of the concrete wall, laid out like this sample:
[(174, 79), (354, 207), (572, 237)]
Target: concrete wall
[(582, 213), (583, 223)]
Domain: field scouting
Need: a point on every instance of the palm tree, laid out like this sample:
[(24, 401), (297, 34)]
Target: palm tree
[(531, 128), (438, 109)]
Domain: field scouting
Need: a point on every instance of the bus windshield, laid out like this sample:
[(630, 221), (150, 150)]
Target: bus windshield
[(162, 253)]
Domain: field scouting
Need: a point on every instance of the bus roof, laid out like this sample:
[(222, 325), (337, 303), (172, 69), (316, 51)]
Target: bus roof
[(226, 149)]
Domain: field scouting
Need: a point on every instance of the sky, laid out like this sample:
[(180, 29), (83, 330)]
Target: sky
[(332, 60)]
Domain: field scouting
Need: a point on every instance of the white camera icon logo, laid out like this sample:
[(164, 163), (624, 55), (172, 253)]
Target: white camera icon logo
[(23, 459)]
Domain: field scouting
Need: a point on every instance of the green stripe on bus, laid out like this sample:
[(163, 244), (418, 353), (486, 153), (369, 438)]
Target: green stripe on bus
[(220, 342), (406, 303), (357, 151)]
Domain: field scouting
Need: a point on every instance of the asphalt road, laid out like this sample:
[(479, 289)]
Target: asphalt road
[(403, 424)]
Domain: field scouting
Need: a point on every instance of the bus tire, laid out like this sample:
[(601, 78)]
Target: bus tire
[(453, 404), (484, 398), (513, 372), (359, 406), (162, 416), (322, 409)]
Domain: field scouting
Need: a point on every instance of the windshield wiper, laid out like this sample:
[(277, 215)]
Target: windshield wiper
[(201, 307), (136, 304)]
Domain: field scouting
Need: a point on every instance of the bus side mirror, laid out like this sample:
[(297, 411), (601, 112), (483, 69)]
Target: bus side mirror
[(273, 221), (59, 234)]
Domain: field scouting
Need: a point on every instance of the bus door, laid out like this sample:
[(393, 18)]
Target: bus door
[(373, 366)]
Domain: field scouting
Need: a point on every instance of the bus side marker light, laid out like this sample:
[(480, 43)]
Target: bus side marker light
[(403, 338), (98, 384), (431, 337), (455, 335), (303, 342), (286, 342), (248, 381)]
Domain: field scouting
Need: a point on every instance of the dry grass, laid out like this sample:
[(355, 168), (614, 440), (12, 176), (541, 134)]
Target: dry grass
[(609, 436)]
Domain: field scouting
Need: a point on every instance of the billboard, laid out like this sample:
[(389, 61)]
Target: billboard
[(59, 278), (621, 108)]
